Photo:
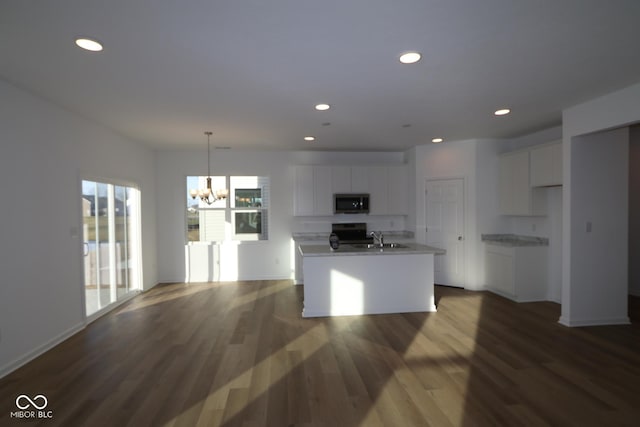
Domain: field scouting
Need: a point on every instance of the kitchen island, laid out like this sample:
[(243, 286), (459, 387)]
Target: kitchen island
[(366, 279)]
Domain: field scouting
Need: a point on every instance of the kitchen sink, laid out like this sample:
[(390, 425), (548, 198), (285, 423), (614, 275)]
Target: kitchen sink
[(379, 246)]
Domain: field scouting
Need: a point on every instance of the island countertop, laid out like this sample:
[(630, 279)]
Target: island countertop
[(351, 250), (513, 240)]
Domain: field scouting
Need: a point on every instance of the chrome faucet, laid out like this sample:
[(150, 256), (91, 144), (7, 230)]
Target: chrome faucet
[(377, 236)]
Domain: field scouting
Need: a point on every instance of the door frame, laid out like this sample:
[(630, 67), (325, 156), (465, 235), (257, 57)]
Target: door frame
[(464, 218), (78, 232)]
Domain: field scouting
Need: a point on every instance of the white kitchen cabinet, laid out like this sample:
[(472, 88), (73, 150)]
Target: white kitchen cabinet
[(313, 191), (360, 179), (315, 186), (341, 179), (546, 165), (398, 198), (303, 197), (323, 190), (388, 189), (378, 190), (516, 195), (517, 272)]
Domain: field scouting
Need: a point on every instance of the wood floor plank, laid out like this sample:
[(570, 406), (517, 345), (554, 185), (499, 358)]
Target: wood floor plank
[(240, 354)]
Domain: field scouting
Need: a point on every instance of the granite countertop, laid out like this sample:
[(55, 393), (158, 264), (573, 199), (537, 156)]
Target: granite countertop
[(308, 236), (404, 249), (514, 240), (316, 235)]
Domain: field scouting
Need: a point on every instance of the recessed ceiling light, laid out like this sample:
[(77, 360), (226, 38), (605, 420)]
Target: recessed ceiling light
[(437, 140), (322, 107), (309, 138), (502, 112), (89, 44), (410, 57)]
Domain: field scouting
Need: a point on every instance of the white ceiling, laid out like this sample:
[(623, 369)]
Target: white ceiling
[(252, 70)]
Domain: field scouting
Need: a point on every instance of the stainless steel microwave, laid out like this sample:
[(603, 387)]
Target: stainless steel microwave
[(350, 203)]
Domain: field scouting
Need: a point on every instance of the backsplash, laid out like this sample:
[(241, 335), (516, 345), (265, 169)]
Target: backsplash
[(323, 224)]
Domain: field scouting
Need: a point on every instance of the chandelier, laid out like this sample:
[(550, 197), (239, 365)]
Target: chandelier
[(207, 195)]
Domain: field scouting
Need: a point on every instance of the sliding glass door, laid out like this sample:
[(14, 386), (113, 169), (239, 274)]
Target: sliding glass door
[(111, 243)]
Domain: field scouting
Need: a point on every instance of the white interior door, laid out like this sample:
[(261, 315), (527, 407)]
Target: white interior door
[(445, 228)]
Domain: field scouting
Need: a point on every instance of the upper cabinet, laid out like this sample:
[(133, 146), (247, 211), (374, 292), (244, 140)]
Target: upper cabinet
[(341, 179), (398, 195), (359, 179), (313, 192), (315, 186), (303, 198), (323, 190), (516, 195), (546, 165), (378, 190)]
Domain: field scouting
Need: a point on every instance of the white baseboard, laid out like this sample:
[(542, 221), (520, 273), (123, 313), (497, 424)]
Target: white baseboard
[(12, 366), (240, 279), (593, 322)]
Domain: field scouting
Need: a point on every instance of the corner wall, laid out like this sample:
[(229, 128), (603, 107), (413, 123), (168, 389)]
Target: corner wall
[(634, 210), (599, 228), (44, 152), (580, 285)]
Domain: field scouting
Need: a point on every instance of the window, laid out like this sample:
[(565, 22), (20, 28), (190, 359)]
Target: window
[(243, 215)]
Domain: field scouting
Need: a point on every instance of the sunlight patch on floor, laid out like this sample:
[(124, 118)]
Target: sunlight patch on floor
[(148, 300), (272, 370)]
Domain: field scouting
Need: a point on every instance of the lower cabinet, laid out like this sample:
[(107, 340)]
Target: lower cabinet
[(517, 272)]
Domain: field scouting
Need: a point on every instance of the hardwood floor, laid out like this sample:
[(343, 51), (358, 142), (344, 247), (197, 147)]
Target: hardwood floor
[(239, 354)]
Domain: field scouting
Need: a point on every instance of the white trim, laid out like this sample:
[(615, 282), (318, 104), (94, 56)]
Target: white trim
[(88, 176), (38, 351), (465, 220), (28, 357), (136, 283), (593, 322)]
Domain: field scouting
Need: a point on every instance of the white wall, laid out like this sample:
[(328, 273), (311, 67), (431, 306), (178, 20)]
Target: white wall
[(599, 227), (617, 109), (634, 210), (270, 259), (250, 260), (44, 152), (554, 261)]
